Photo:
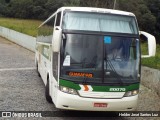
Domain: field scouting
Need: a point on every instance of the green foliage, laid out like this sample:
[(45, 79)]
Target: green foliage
[(145, 18), (144, 48), (52, 6), (20, 8), (7, 1), (2, 7), (153, 62), (39, 9), (3, 2), (72, 3), (25, 26), (154, 6), (97, 3)]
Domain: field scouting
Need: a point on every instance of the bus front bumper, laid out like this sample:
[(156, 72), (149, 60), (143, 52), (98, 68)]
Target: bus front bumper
[(75, 102)]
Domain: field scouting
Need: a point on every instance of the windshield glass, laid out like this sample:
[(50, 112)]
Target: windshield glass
[(121, 58), (99, 58), (80, 57), (101, 22)]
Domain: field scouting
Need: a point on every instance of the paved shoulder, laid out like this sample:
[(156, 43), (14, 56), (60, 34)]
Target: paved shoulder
[(20, 86)]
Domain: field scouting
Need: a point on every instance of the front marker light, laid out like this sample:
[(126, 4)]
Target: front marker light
[(72, 91), (68, 90), (131, 93)]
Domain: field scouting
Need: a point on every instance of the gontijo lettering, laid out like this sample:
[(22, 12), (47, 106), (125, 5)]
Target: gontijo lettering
[(80, 74)]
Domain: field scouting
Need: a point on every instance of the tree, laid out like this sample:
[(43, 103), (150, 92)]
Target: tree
[(97, 3), (3, 2), (21, 8), (72, 3), (39, 9), (7, 1), (2, 7), (52, 5), (145, 18), (154, 6)]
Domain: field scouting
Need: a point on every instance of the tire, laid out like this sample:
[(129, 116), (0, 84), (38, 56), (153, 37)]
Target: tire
[(48, 97), (37, 70)]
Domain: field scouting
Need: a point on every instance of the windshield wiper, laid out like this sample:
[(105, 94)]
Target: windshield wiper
[(113, 69)]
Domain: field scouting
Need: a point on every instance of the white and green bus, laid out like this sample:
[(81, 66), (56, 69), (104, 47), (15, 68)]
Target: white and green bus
[(89, 59)]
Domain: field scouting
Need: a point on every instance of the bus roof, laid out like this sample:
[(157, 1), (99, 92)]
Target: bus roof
[(98, 10), (91, 9)]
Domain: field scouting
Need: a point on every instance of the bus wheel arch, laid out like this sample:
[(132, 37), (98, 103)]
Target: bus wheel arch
[(37, 67), (47, 95)]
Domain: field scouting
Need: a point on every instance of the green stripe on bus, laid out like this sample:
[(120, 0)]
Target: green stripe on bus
[(119, 88), (101, 88), (69, 84)]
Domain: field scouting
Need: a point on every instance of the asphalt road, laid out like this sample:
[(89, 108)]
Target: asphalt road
[(22, 90)]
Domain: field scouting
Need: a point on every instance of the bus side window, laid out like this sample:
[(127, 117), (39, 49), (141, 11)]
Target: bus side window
[(55, 55), (45, 32), (55, 65), (58, 20)]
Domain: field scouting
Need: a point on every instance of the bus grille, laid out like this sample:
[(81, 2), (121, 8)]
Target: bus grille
[(110, 95)]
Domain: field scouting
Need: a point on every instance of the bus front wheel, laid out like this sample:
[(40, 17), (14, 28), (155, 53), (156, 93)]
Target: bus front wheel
[(37, 69), (48, 97)]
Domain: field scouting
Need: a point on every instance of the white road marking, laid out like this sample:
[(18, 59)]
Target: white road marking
[(10, 69)]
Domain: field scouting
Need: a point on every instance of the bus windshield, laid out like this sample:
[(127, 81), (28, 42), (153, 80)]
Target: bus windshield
[(99, 58), (100, 22), (99, 48)]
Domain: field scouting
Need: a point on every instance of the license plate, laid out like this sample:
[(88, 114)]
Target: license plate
[(100, 104)]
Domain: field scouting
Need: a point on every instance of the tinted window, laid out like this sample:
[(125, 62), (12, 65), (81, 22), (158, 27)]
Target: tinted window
[(58, 19), (45, 32), (94, 58)]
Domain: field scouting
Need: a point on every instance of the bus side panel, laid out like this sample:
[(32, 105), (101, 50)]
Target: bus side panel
[(38, 57), (44, 60), (53, 78)]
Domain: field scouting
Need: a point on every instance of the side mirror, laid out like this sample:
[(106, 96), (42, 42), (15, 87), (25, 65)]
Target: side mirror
[(57, 36), (151, 44)]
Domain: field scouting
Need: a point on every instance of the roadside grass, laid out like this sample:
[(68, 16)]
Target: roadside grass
[(21, 25), (153, 62)]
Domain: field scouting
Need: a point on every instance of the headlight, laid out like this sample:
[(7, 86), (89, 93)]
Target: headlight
[(131, 93), (68, 90)]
